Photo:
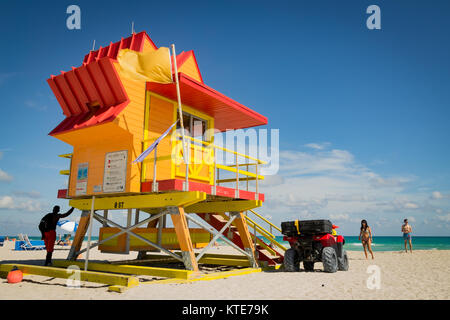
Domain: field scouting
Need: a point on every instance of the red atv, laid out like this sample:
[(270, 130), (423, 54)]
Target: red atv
[(313, 241)]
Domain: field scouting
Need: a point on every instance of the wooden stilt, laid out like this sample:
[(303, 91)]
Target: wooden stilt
[(246, 239), (79, 235), (184, 238)]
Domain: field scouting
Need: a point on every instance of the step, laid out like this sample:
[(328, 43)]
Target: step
[(220, 218), (268, 254)]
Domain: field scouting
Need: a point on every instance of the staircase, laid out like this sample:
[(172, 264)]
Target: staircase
[(268, 253)]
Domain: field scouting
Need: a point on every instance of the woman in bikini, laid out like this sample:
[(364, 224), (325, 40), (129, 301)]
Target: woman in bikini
[(365, 235)]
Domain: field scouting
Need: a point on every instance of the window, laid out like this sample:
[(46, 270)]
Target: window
[(194, 125)]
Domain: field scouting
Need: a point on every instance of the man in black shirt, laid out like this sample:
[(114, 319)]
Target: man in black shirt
[(47, 226)]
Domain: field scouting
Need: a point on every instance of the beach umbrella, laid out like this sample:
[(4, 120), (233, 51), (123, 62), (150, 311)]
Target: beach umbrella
[(68, 225)]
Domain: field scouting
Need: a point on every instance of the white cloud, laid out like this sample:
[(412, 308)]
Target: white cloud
[(331, 183), (411, 205), (436, 195), (318, 146), (340, 217), (8, 202), (445, 218), (27, 194), (5, 176)]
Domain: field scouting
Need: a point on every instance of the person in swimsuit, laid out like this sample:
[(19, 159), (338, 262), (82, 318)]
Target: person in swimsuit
[(407, 230), (365, 236)]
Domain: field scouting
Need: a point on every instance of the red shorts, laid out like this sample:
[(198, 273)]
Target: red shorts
[(49, 240)]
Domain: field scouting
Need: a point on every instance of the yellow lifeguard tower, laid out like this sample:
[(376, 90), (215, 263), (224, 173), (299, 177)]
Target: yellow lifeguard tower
[(111, 119)]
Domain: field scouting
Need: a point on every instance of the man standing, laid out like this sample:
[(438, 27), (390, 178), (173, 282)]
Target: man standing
[(47, 226), (407, 230)]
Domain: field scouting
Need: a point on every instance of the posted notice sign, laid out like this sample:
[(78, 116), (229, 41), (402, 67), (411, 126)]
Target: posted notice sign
[(82, 176), (114, 179)]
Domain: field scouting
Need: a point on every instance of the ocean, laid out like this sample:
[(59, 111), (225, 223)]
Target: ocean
[(379, 243), (393, 243)]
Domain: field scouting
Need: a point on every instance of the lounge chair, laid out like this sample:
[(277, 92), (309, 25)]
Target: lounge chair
[(28, 245)]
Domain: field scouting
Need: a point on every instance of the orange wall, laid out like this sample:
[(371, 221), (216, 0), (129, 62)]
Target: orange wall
[(131, 119), (90, 146), (189, 67)]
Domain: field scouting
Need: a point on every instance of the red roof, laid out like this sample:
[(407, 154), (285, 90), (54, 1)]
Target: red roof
[(228, 114), (97, 82), (88, 119), (94, 83), (134, 42)]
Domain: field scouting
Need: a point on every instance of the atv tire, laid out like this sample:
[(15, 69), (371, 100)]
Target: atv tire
[(291, 261), (329, 260), (343, 261), (308, 265)]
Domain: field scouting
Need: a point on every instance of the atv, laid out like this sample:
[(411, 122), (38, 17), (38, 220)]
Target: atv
[(313, 241)]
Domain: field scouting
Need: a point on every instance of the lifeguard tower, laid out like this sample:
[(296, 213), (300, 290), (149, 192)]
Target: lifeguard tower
[(111, 119)]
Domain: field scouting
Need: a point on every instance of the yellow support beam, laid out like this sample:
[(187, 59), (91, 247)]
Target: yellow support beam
[(129, 269), (265, 220), (234, 180), (89, 276), (226, 261), (211, 276), (223, 206), (141, 201), (65, 172), (246, 173), (66, 155)]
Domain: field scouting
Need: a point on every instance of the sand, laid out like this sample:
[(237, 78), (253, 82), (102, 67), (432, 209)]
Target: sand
[(420, 275)]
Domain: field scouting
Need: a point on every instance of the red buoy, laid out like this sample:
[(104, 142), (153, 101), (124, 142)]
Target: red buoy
[(14, 276)]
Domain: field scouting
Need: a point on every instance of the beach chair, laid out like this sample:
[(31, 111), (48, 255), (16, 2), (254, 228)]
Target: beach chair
[(29, 246)]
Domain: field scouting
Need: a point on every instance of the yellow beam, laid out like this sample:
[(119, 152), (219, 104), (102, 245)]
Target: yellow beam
[(89, 276), (66, 155), (64, 172), (263, 231), (129, 269), (211, 145), (234, 180), (233, 169), (211, 276), (223, 206), (141, 201), (264, 219), (226, 261), (119, 289)]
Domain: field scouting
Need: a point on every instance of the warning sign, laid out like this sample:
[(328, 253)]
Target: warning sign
[(82, 175), (114, 179)]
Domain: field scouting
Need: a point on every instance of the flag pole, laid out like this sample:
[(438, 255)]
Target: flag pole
[(180, 111)]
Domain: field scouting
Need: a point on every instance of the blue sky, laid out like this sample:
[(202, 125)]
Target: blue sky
[(363, 114)]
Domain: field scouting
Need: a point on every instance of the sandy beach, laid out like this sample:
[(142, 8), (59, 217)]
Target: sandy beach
[(421, 275)]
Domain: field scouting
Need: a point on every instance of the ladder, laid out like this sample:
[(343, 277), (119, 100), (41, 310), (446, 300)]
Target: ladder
[(269, 252)]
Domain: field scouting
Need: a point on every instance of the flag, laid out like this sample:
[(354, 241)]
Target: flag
[(144, 154), (154, 66)]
